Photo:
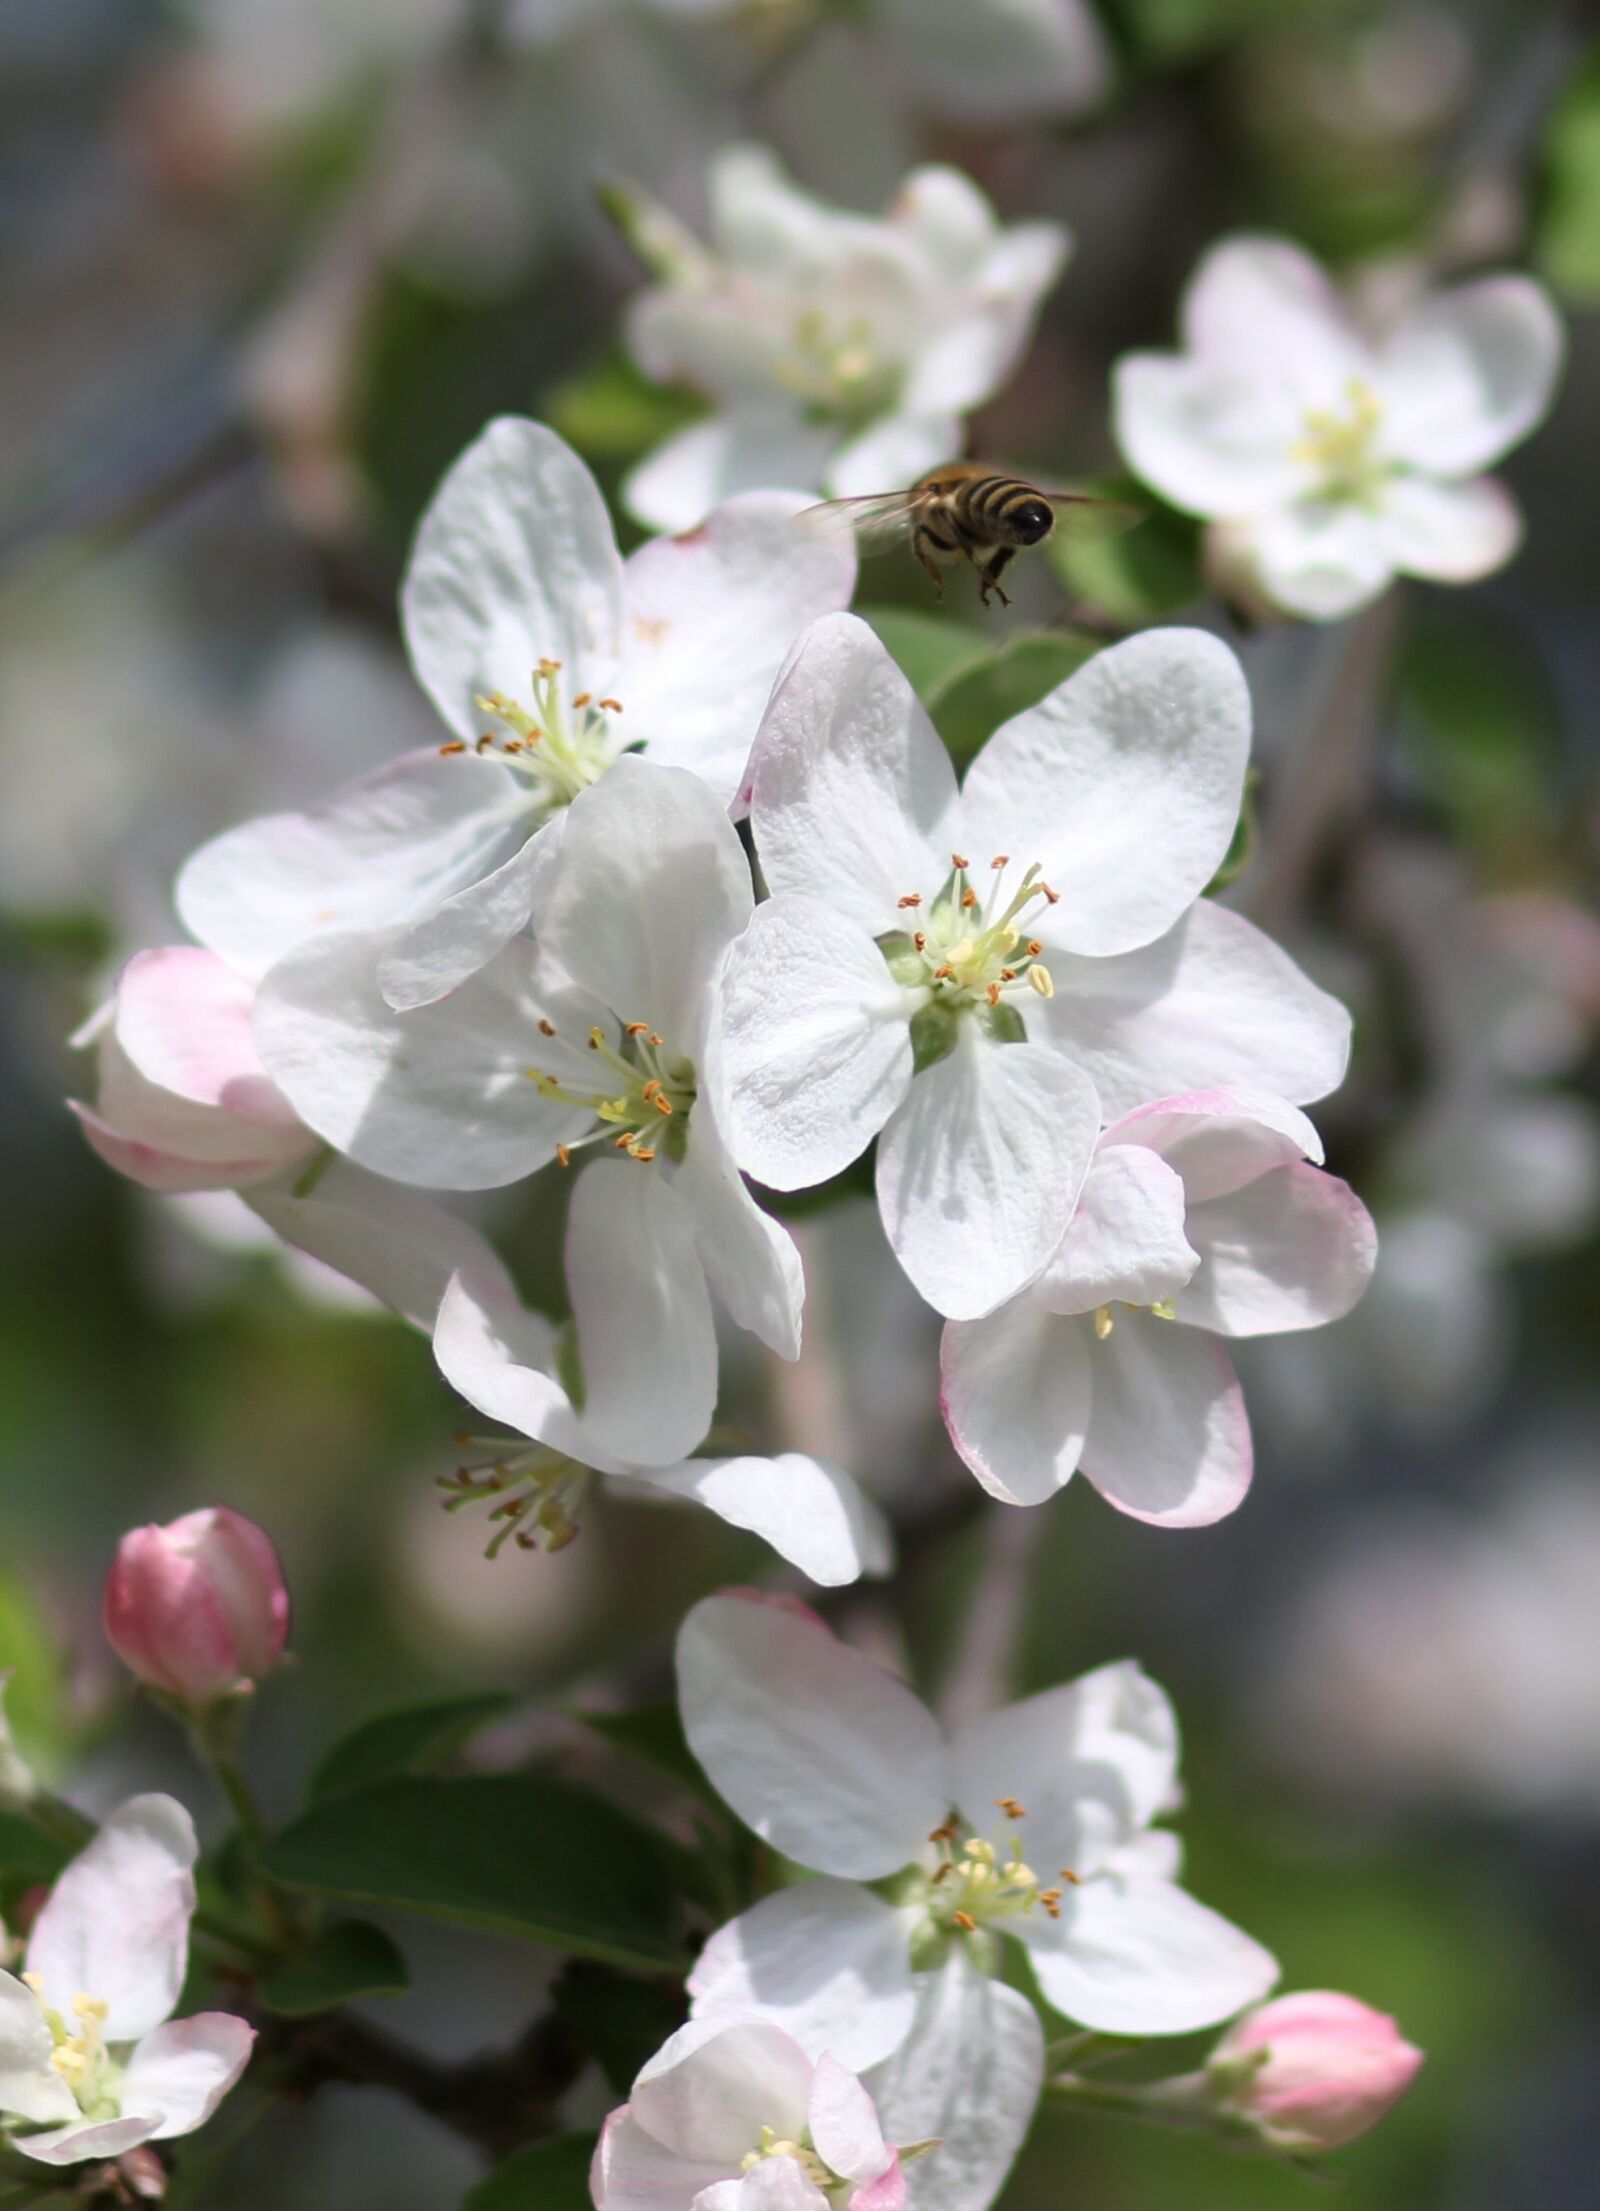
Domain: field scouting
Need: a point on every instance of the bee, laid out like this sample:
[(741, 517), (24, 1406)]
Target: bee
[(968, 511)]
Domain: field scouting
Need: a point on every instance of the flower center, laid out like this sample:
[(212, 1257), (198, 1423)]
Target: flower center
[(971, 1883), (533, 1493), (772, 2144), (643, 1106), (836, 368), (1340, 446), (82, 2059), (972, 954), (560, 747), (1105, 1319)]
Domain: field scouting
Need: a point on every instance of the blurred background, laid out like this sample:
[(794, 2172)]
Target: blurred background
[(266, 266)]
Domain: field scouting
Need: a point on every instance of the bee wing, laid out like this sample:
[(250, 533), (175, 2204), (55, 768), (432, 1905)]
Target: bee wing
[(876, 518), (1086, 517)]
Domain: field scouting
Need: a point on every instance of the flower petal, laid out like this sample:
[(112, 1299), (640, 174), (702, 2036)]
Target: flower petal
[(30, 2088), (183, 1020), (811, 1513), (809, 1051), (828, 1962), (763, 447), (750, 1259), (645, 1331), (514, 562), (967, 2076), (70, 2145), (1017, 59), (632, 2171), (1213, 439), (502, 1358), (1133, 1954), (161, 1167), (827, 1757), (1014, 1390), (178, 2075), (1125, 1241), (1290, 1250), (1257, 299), (1320, 560), (1469, 373), (897, 449), (854, 795), (1169, 1439), (1218, 1140), (711, 2088), (464, 933), (844, 2126), (1453, 533), (979, 1169), (116, 1924)]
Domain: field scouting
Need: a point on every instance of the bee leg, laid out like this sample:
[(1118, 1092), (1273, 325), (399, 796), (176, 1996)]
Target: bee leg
[(989, 575), (920, 542)]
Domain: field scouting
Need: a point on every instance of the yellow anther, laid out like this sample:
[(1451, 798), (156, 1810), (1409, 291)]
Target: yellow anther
[(90, 2007), (1104, 1322), (1041, 980), (35, 1981)]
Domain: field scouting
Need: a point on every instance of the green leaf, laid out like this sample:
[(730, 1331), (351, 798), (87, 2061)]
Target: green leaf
[(519, 1853), (652, 1735), (931, 648), (972, 705), (349, 1958), (36, 1702), (27, 1853), (620, 2021), (610, 411), (546, 2176), (414, 1740), (1137, 575), (1567, 239)]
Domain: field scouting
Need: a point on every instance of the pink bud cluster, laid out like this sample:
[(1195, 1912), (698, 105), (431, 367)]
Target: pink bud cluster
[(198, 1609), (1333, 2067)]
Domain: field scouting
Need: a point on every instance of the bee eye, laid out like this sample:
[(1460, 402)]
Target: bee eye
[(1031, 521)]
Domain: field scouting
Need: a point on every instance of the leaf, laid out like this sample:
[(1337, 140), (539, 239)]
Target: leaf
[(414, 1740), (928, 647), (36, 1702), (652, 1735), (546, 2176), (971, 707), (520, 1853), (1137, 575), (1242, 844), (1567, 239), (611, 411), (620, 2020), (27, 1853), (349, 1958)]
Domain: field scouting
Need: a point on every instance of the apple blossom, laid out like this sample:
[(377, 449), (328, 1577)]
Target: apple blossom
[(1201, 1216), (1317, 2068), (1336, 457), (842, 353), (983, 974), (926, 1852), (199, 1608), (91, 2061), (549, 657), (733, 2115)]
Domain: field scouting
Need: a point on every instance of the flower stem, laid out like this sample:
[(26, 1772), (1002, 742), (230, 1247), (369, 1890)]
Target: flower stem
[(1179, 2103)]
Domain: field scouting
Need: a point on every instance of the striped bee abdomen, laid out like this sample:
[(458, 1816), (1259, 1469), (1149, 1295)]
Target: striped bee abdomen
[(1004, 509)]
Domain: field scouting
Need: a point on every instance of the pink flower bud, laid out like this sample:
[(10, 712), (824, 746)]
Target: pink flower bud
[(197, 1609), (1333, 2066)]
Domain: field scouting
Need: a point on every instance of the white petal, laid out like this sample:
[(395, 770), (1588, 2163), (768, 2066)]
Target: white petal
[(811, 1513), (70, 2145), (29, 2086), (900, 448), (844, 2125), (438, 1096), (1258, 300), (711, 2088), (178, 2075), (116, 1924), (854, 793), (764, 448), (810, 1044), (827, 1757), (502, 1358), (750, 1259), (1213, 1003), (1469, 373), (633, 2172), (708, 621), (1124, 784), (650, 888), (1125, 1241), (968, 2076), (645, 1331), (977, 351), (1321, 561), (979, 1170), (828, 1962), (1014, 1390), (1213, 439), (385, 849), (1011, 60), (1091, 1763), (945, 216), (1218, 1140), (776, 2184), (1132, 1954), (1169, 1439), (401, 1246), (183, 1020), (1290, 1250), (466, 931), (1453, 533), (514, 562)]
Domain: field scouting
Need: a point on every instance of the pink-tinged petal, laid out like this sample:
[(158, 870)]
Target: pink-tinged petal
[(827, 1961), (1169, 1438), (822, 1753), (97, 2138), (1125, 1240), (813, 1514), (198, 1609), (183, 1019), (1258, 300), (1291, 1250), (1214, 440), (844, 2125), (514, 563), (1450, 533), (776, 2184), (887, 2193), (750, 1259), (711, 2088), (968, 2077), (1091, 1763), (854, 795), (979, 1169), (708, 621), (1014, 1390), (30, 2088), (502, 1358), (116, 1924), (1132, 1954), (1330, 2067), (155, 1168), (1469, 373), (178, 2075), (1218, 1140), (634, 2172)]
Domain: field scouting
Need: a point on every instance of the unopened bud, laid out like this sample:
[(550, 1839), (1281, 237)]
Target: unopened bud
[(1317, 2069), (198, 1609)]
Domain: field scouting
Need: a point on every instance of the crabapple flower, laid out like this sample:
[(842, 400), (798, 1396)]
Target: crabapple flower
[(1320, 2068), (595, 1035), (198, 1609), (184, 1102), (1333, 457), (733, 2115), (549, 657), (509, 1363), (983, 975), (91, 2061), (1033, 1823), (1201, 1217), (840, 352)]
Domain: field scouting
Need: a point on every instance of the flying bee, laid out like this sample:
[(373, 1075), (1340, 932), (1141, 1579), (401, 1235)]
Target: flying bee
[(968, 511)]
